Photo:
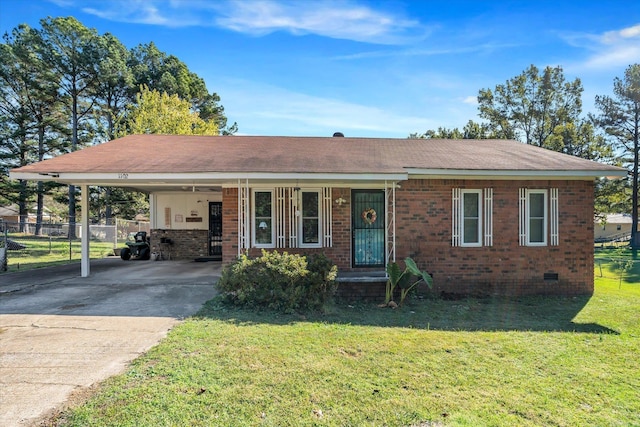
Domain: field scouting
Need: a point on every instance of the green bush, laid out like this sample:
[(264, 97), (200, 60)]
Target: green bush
[(279, 281)]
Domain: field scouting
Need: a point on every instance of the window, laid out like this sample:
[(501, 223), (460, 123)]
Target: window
[(538, 217), (283, 217), (472, 216), (310, 207), (262, 230)]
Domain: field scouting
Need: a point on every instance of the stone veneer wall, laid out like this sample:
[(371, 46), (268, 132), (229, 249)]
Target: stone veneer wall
[(186, 244)]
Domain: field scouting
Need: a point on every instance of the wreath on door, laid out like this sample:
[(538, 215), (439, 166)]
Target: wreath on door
[(369, 216)]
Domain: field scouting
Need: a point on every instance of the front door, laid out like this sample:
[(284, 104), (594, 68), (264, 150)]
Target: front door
[(215, 230), (368, 222)]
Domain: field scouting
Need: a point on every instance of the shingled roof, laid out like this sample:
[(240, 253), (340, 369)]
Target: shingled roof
[(177, 154)]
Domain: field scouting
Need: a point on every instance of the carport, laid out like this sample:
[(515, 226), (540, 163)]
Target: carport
[(108, 166)]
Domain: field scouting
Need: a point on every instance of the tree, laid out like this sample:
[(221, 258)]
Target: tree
[(160, 113), (530, 106), (73, 52), (620, 118), (114, 92), (63, 85), (472, 130), (16, 124), (166, 73), (31, 112)]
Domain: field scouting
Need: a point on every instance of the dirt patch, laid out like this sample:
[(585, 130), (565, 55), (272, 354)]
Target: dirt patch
[(56, 416)]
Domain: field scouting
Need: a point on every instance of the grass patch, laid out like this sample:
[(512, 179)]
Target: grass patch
[(607, 268), (45, 251), (499, 362)]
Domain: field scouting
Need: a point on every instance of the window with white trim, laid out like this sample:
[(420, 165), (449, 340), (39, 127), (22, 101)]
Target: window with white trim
[(262, 231), (472, 216), (538, 217), (310, 219), (287, 217)]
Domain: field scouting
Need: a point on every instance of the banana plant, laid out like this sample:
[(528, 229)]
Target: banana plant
[(406, 279)]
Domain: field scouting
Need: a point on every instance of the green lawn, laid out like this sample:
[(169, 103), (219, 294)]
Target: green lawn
[(44, 251), (474, 362)]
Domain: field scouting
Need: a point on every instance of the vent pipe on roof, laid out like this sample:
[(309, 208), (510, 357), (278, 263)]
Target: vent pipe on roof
[(338, 134)]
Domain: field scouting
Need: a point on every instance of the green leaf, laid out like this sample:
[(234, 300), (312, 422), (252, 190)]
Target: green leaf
[(413, 269), (394, 272)]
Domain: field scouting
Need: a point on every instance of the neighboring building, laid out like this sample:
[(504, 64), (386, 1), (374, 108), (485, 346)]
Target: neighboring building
[(483, 216), (11, 217), (614, 227), (11, 214)]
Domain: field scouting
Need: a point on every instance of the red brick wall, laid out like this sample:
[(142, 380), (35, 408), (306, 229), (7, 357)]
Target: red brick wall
[(423, 218), (423, 231), (185, 244)]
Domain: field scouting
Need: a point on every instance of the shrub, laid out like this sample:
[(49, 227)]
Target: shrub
[(279, 281)]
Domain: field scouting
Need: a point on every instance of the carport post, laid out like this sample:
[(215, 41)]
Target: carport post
[(84, 242)]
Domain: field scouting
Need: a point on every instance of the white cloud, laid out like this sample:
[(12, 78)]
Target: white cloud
[(472, 100), (340, 20), (609, 50), (334, 19), (168, 13)]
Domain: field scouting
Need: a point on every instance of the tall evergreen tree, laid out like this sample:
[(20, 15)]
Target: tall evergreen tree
[(31, 108), (620, 118), (73, 52), (166, 73)]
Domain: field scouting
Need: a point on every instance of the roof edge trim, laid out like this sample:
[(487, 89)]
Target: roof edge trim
[(510, 174)]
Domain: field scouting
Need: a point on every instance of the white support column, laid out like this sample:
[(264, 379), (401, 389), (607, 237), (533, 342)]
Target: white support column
[(390, 217), (84, 206)]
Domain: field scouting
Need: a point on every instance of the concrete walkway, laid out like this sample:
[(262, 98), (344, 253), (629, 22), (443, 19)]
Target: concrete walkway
[(60, 333)]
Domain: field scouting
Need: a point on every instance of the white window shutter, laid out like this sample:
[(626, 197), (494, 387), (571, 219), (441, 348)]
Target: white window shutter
[(280, 217), (243, 216), (455, 216), (554, 218), (293, 218), (488, 217), (326, 217), (522, 217)]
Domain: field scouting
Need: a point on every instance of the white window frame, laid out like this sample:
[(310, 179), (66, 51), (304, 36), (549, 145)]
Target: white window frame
[(525, 214), (300, 212), (485, 217), (478, 241), (545, 217), (253, 218)]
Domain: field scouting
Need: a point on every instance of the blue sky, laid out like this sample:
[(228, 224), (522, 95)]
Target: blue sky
[(365, 68)]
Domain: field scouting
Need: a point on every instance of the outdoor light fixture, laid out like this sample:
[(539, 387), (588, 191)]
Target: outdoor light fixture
[(340, 201)]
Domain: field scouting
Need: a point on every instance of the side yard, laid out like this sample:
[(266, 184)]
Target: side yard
[(43, 251), (499, 362)]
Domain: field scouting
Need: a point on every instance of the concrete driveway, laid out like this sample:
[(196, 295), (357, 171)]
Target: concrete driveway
[(60, 333)]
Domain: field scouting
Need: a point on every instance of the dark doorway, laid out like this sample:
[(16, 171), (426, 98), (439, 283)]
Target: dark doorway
[(215, 230), (368, 224)]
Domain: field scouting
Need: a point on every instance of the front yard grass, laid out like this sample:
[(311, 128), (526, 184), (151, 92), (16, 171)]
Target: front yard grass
[(473, 362), (45, 251)]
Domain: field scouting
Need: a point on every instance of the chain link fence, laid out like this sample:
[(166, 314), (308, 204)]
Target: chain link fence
[(21, 247)]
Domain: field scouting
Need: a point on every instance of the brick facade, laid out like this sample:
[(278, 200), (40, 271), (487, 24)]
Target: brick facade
[(185, 244), (424, 229)]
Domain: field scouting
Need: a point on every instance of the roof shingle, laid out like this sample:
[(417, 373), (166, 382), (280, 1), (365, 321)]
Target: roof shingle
[(273, 154)]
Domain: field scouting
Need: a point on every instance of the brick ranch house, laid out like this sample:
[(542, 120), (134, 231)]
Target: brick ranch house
[(483, 216)]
